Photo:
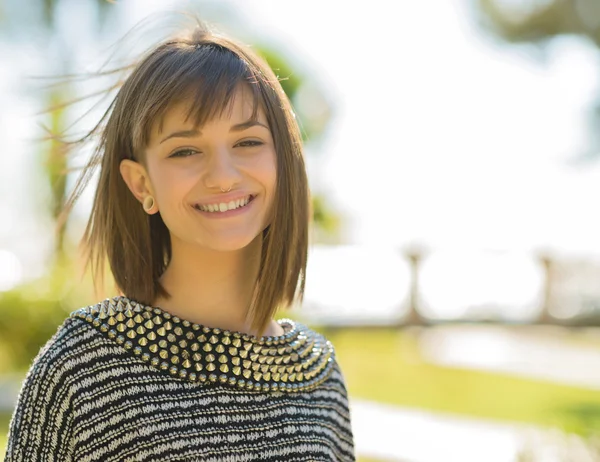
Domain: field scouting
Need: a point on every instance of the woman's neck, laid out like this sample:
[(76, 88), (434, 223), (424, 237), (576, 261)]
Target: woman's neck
[(213, 288)]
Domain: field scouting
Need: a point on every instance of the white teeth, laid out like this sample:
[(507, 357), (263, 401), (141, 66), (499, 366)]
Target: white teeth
[(223, 207)]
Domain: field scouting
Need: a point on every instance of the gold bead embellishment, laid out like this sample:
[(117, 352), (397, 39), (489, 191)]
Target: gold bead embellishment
[(297, 361)]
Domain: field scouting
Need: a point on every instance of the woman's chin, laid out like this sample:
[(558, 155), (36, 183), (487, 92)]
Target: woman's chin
[(230, 244)]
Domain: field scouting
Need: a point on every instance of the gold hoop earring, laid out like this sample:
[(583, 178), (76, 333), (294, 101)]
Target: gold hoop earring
[(148, 203)]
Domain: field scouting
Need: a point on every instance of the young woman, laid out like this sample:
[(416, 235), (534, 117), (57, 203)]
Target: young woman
[(202, 210)]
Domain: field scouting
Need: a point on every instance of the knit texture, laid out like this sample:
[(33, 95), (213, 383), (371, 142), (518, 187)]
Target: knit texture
[(86, 398)]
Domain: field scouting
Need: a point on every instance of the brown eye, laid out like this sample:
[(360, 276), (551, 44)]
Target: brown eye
[(250, 143), (183, 153)]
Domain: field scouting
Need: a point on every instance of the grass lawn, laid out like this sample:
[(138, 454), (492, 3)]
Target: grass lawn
[(385, 366)]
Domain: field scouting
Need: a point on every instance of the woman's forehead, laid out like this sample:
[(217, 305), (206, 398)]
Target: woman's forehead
[(239, 109)]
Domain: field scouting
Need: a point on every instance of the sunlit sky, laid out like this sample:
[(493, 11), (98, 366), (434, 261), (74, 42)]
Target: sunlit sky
[(444, 139), (439, 136)]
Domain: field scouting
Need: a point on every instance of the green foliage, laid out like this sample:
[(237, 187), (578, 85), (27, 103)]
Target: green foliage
[(55, 163), (326, 221), (35, 16), (33, 312), (582, 418), (538, 22), (290, 79), (535, 21), (313, 116), (27, 322)]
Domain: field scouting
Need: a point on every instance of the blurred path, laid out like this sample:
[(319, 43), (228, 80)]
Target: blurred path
[(390, 433), (548, 353)]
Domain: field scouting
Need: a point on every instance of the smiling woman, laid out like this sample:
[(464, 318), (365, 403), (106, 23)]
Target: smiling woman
[(202, 210), (188, 169)]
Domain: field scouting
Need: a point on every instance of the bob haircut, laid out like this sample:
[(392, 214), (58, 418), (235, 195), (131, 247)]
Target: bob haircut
[(204, 69)]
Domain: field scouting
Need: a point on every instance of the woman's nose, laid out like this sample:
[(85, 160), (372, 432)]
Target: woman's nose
[(222, 168)]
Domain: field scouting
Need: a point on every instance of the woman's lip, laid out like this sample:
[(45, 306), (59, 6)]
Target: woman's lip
[(229, 213)]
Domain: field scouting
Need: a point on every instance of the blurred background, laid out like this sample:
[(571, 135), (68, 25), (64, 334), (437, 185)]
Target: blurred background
[(454, 160)]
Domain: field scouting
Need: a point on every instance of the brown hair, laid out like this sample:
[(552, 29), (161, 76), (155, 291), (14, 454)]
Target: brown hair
[(205, 68)]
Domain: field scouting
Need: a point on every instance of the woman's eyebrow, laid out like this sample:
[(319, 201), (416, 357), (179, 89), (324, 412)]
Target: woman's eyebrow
[(182, 134), (245, 125), (195, 132)]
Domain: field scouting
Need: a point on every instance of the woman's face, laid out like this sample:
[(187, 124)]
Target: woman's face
[(188, 167)]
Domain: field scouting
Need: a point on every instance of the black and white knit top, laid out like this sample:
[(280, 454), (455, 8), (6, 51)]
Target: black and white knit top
[(121, 381)]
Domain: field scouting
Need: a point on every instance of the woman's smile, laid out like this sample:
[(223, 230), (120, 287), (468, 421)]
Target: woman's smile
[(229, 213)]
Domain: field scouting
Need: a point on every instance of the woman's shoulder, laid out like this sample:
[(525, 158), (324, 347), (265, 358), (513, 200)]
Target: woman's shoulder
[(75, 340), (45, 403), (320, 353)]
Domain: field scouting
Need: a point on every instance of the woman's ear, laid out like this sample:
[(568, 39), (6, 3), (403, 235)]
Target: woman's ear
[(136, 178)]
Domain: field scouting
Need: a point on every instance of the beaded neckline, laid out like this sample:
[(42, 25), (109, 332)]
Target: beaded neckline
[(299, 360)]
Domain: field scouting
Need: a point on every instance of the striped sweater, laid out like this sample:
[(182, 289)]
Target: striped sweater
[(121, 381)]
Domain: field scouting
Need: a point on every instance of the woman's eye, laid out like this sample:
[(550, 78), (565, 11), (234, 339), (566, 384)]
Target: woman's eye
[(183, 153), (250, 143)]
